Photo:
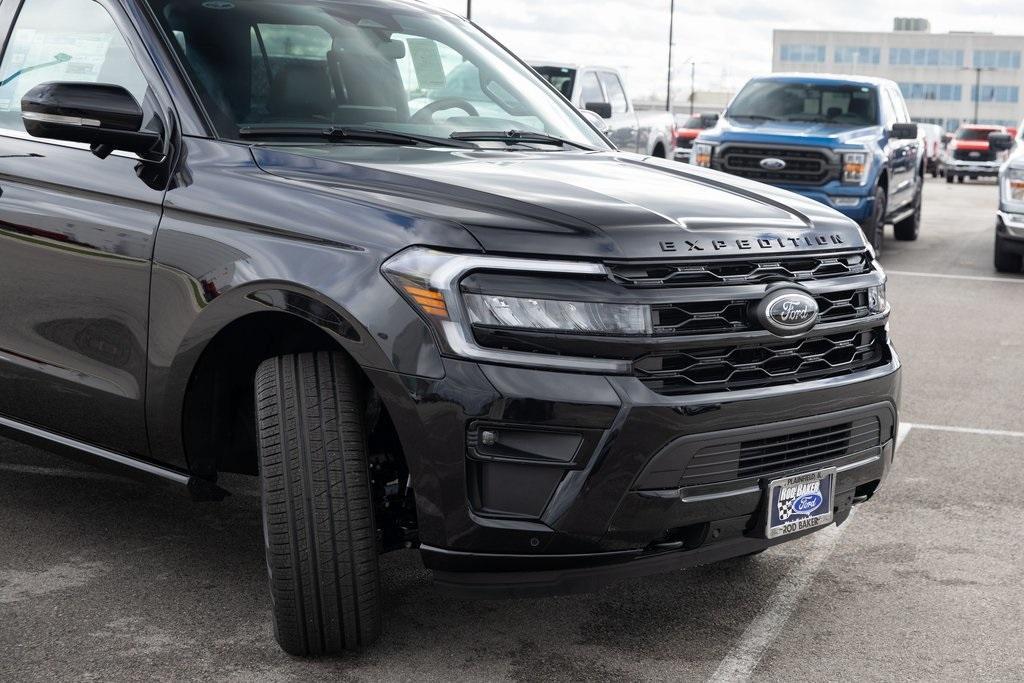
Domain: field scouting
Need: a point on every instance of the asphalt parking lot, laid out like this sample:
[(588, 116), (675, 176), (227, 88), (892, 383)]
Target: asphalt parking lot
[(105, 578)]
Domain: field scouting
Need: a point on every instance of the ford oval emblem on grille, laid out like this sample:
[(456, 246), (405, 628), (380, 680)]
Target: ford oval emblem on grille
[(787, 312), (773, 164)]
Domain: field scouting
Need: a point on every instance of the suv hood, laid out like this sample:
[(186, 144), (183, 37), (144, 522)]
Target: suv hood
[(580, 204), (801, 132)]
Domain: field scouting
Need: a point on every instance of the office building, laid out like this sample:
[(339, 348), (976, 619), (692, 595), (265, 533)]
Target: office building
[(947, 78)]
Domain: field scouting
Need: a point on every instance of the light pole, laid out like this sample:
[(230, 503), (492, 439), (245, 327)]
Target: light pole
[(693, 85), (469, 9), (671, 39), (977, 88), (692, 61)]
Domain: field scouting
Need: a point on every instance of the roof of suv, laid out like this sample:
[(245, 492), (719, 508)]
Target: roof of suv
[(843, 79)]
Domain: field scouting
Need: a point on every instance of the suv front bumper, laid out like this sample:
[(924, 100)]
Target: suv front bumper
[(1010, 231), (600, 499)]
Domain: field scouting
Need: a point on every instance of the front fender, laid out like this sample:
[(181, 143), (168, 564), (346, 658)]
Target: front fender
[(236, 241)]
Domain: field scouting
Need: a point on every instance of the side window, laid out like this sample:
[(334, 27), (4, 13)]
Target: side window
[(63, 40), (902, 112), (616, 93), (590, 89), (889, 115)]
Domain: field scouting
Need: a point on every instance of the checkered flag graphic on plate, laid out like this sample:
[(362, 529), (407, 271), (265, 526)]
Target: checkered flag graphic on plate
[(785, 508)]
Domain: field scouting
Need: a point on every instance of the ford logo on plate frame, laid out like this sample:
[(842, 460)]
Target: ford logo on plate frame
[(787, 312), (773, 164)]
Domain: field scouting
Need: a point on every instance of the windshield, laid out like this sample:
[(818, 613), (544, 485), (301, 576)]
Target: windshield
[(323, 64), (850, 105), (691, 122), (975, 134)]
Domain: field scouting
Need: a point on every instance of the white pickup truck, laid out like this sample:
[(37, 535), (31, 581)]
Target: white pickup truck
[(601, 90)]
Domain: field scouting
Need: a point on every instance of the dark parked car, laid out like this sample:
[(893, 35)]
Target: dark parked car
[(243, 237)]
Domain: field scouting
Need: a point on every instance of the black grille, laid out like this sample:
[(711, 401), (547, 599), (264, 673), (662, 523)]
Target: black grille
[(684, 143), (803, 166), (711, 317), (757, 457), (729, 368), (734, 272), (974, 155)]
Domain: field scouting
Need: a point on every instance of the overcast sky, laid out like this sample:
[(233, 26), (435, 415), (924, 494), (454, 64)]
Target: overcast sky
[(729, 40)]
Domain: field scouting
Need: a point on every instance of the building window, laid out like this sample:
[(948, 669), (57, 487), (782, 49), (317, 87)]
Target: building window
[(802, 53), (997, 59), (858, 55), (905, 56), (996, 93), (944, 92)]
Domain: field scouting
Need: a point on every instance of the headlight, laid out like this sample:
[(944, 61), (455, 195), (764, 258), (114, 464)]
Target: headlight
[(430, 281), (855, 167), (876, 299), (1014, 185), (558, 316), (701, 155)]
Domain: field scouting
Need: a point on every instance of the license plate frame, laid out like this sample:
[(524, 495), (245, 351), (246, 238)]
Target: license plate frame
[(800, 502)]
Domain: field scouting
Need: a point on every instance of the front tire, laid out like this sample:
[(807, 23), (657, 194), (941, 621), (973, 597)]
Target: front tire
[(909, 228), (1007, 261), (874, 227), (319, 531)]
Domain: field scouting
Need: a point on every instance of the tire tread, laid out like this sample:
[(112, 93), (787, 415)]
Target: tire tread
[(319, 530)]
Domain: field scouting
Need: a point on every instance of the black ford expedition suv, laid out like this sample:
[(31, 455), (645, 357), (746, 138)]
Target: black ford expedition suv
[(250, 236)]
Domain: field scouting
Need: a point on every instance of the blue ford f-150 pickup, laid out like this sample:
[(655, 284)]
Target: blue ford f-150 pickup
[(845, 141)]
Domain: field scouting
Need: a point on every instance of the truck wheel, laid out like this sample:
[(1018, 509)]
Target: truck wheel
[(874, 227), (1006, 261), (949, 178), (960, 179), (318, 524), (908, 229)]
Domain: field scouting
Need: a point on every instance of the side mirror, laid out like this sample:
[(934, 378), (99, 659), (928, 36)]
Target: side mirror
[(708, 120), (597, 121), (904, 131), (602, 109), (106, 117), (946, 138), (1000, 142)]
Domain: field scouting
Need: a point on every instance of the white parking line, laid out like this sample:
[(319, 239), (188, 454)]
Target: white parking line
[(963, 430), (976, 278), (761, 633), (905, 428)]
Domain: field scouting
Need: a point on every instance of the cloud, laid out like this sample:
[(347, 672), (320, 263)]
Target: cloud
[(729, 41)]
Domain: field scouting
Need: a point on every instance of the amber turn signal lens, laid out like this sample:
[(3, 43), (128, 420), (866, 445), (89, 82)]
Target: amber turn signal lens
[(430, 301)]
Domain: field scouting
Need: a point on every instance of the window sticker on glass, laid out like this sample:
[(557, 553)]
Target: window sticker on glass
[(71, 57), (426, 59)]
